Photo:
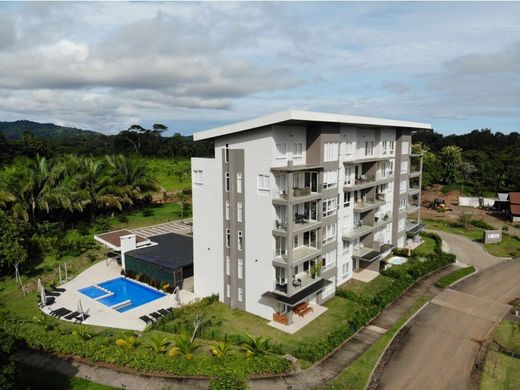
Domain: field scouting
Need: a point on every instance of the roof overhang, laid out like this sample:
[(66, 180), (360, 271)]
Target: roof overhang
[(299, 296), (307, 116), (112, 240)]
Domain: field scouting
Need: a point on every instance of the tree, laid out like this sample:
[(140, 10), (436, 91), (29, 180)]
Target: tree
[(14, 242), (183, 346), (158, 344), (8, 361), (254, 346), (220, 349), (183, 198), (467, 169), (127, 342), (451, 158)]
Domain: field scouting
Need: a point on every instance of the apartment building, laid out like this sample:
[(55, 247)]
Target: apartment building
[(294, 202)]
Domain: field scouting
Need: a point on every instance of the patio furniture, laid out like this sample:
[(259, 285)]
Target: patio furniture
[(71, 315), (59, 290), (56, 312), (303, 309), (52, 294), (146, 319), (62, 313), (163, 312), (81, 317), (297, 282), (155, 315)]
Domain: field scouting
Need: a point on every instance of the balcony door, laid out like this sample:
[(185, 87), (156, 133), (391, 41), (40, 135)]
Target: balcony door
[(311, 181), (310, 239)]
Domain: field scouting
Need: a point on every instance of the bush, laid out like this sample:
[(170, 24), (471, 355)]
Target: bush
[(400, 252), (481, 224), (8, 361), (229, 380)]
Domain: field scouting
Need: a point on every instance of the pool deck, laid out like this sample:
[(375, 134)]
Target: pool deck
[(102, 315)]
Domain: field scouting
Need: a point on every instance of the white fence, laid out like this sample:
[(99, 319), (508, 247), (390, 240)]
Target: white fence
[(476, 202)]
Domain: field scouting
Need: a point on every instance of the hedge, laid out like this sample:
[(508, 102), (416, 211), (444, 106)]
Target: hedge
[(100, 349), (454, 276)]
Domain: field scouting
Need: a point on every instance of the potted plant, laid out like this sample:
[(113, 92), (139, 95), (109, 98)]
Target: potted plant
[(385, 218), (315, 269)]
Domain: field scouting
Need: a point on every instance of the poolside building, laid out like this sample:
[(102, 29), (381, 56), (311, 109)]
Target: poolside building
[(295, 202)]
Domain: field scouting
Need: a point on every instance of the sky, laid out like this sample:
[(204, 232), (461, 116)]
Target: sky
[(191, 66)]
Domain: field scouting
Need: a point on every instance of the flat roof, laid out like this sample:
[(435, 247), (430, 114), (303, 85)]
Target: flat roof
[(113, 239), (299, 296), (172, 251), (514, 197), (309, 116)]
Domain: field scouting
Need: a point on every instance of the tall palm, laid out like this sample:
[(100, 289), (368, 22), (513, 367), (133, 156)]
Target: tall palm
[(183, 346), (131, 177), (158, 344), (255, 345)]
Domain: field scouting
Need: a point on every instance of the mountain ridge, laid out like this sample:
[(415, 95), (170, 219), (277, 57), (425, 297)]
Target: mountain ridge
[(13, 130)]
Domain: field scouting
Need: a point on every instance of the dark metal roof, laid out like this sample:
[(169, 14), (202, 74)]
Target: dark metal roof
[(173, 251), (299, 296), (371, 256), (416, 229)]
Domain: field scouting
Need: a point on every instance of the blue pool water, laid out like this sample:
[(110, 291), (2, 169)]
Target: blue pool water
[(120, 290)]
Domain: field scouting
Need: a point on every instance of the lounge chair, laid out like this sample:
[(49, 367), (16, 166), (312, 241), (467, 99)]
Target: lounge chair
[(64, 313), (56, 312), (146, 319), (169, 309), (52, 294), (164, 312), (155, 315), (81, 317), (71, 315), (59, 290)]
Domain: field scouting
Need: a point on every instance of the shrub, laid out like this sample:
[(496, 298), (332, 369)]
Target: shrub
[(8, 361), (505, 228), (481, 224), (229, 380), (400, 252)]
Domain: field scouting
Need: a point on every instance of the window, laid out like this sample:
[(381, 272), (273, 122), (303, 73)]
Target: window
[(346, 199), (228, 291), (392, 147), (330, 152), (404, 166), (329, 290), (346, 247), (228, 238), (239, 182), (240, 294), (227, 210), (330, 260), (240, 242), (384, 148), (330, 179), (402, 204), (263, 182), (239, 211), (297, 151), (281, 275), (344, 270), (280, 247), (228, 265), (226, 154), (402, 187), (402, 224), (329, 207), (329, 233), (348, 148), (197, 176), (348, 175), (406, 147), (369, 148), (391, 168), (383, 169), (226, 181), (296, 241), (281, 151), (240, 268)]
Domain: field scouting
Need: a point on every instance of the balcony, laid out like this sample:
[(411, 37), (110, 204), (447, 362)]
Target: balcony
[(412, 208), (366, 181), (371, 158), (413, 226), (414, 190), (303, 280), (361, 251), (381, 221), (414, 172), (304, 253), (357, 231), (362, 206)]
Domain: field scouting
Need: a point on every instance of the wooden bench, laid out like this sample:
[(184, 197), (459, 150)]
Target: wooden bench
[(302, 309), (277, 317)]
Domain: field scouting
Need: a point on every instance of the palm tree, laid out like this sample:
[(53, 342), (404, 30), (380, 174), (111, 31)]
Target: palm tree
[(183, 346), (158, 343), (43, 321), (5, 198), (82, 332), (131, 177), (127, 342), (255, 345), (220, 349)]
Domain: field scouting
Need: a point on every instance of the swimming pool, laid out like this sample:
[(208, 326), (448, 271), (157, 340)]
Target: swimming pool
[(397, 260), (121, 294)]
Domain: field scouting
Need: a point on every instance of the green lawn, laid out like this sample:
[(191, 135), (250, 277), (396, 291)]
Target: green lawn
[(451, 278), (508, 335), (368, 290), (35, 378), (509, 247), (172, 174), (356, 376), (153, 214), (426, 248)]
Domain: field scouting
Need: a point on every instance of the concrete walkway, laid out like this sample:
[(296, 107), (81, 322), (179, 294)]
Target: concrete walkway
[(321, 373), (467, 251)]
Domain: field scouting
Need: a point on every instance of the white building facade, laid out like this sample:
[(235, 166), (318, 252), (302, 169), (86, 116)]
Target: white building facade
[(295, 202)]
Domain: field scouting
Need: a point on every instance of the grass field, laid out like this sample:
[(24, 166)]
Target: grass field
[(508, 335), (509, 247), (356, 376), (451, 278), (368, 290), (35, 378), (172, 174), (426, 247), (153, 214)]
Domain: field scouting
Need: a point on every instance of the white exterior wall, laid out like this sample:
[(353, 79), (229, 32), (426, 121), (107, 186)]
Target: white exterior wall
[(208, 248), (259, 214)]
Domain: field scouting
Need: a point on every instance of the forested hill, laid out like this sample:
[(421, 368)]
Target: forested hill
[(14, 130)]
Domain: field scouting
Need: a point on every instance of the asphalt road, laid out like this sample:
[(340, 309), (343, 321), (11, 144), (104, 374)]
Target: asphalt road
[(440, 349)]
